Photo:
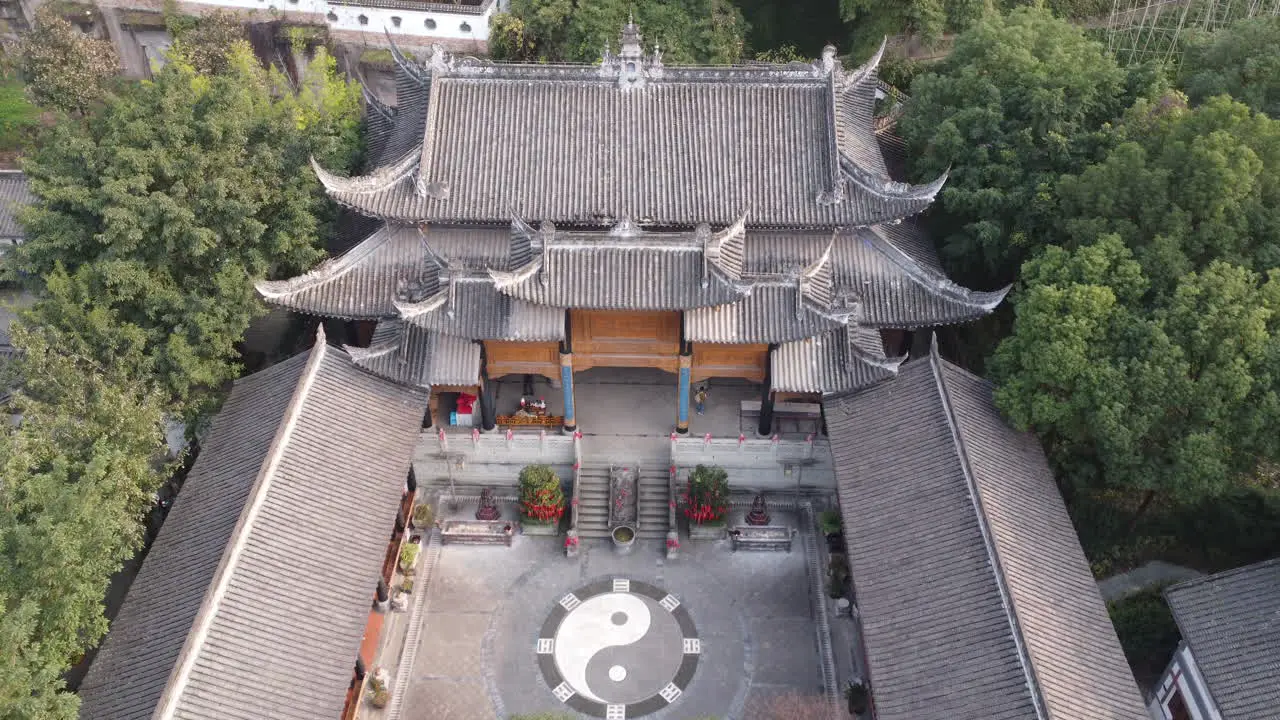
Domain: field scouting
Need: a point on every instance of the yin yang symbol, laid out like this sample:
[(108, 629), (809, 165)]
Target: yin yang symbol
[(618, 644)]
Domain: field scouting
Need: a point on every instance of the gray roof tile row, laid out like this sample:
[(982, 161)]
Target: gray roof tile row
[(1231, 622), (976, 599), (410, 355), (234, 615), (841, 360), (14, 195)]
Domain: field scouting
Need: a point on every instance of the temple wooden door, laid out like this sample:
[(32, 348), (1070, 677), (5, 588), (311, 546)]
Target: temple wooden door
[(606, 338)]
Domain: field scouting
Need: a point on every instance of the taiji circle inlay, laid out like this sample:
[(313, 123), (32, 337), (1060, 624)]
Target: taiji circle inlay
[(618, 648)]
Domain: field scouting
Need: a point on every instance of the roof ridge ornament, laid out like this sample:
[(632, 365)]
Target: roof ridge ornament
[(829, 62), (630, 66)]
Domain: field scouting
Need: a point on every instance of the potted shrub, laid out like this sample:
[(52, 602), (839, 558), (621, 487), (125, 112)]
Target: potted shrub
[(837, 579), (406, 587), (381, 696), (855, 693), (423, 516), (624, 538), (707, 502), (541, 500), (829, 525), (409, 557)]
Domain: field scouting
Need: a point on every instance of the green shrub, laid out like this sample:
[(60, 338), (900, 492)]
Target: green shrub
[(829, 522), (409, 556), (18, 117), (423, 516), (541, 497), (1147, 633)]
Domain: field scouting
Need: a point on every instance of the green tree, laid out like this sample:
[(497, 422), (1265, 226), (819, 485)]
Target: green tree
[(79, 473), (65, 69), (688, 31), (1130, 388), (206, 41), (924, 19), (1242, 61), (1185, 187), (1021, 100), (170, 200)]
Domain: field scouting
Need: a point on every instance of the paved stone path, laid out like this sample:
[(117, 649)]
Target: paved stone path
[(488, 607), (1154, 574)]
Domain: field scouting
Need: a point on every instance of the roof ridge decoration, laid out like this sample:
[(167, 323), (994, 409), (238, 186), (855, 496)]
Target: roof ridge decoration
[(630, 67), (372, 102), (984, 526), (725, 250), (816, 283), (213, 598), (933, 282)]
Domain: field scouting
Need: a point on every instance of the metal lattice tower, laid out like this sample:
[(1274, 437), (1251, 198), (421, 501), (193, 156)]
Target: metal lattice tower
[(1139, 30)]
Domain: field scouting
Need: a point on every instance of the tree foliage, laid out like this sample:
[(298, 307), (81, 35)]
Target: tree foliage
[(1242, 61), (65, 69), (79, 474), (688, 31), (170, 200), (1022, 99), (925, 19), (1184, 187), (207, 41)]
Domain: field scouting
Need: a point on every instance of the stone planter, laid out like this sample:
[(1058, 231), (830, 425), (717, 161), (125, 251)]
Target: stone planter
[(571, 543), (706, 531), (673, 545), (624, 539), (543, 529)]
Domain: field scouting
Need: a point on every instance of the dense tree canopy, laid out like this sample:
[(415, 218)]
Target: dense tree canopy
[(1184, 188), (168, 202), (1021, 100), (79, 474), (1242, 61), (1146, 350), (688, 31), (65, 69)]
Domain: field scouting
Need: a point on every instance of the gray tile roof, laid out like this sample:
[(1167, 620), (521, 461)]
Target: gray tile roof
[(623, 269), (568, 144), (1231, 622), (234, 615), (837, 361), (364, 282), (471, 307), (975, 597), (768, 314), (409, 355), (14, 194)]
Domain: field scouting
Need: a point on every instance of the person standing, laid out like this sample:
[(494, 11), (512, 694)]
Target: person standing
[(700, 399)]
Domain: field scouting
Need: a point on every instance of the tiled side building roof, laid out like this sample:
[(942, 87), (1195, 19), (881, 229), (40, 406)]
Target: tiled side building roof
[(14, 194), (1231, 622), (234, 614), (975, 596)]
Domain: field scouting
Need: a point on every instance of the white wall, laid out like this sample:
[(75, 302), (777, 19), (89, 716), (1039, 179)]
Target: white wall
[(413, 23)]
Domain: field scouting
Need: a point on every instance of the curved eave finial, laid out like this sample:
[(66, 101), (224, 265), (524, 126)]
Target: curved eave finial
[(414, 70), (869, 68), (376, 181), (505, 280), (411, 310)]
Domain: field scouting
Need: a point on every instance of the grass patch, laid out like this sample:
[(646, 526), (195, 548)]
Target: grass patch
[(18, 117), (1147, 633)]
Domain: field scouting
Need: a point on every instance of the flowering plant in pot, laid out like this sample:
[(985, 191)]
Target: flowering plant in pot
[(541, 497), (706, 501)]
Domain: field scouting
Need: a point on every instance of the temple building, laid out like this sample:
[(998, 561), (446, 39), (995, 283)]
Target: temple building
[(710, 222)]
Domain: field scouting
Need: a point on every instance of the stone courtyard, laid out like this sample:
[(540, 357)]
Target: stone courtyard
[(709, 634)]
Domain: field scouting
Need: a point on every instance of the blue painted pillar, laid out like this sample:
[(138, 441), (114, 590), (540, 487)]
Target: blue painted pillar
[(566, 381), (682, 419)]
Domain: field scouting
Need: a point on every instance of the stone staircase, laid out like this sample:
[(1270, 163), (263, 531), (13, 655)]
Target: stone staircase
[(593, 501)]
